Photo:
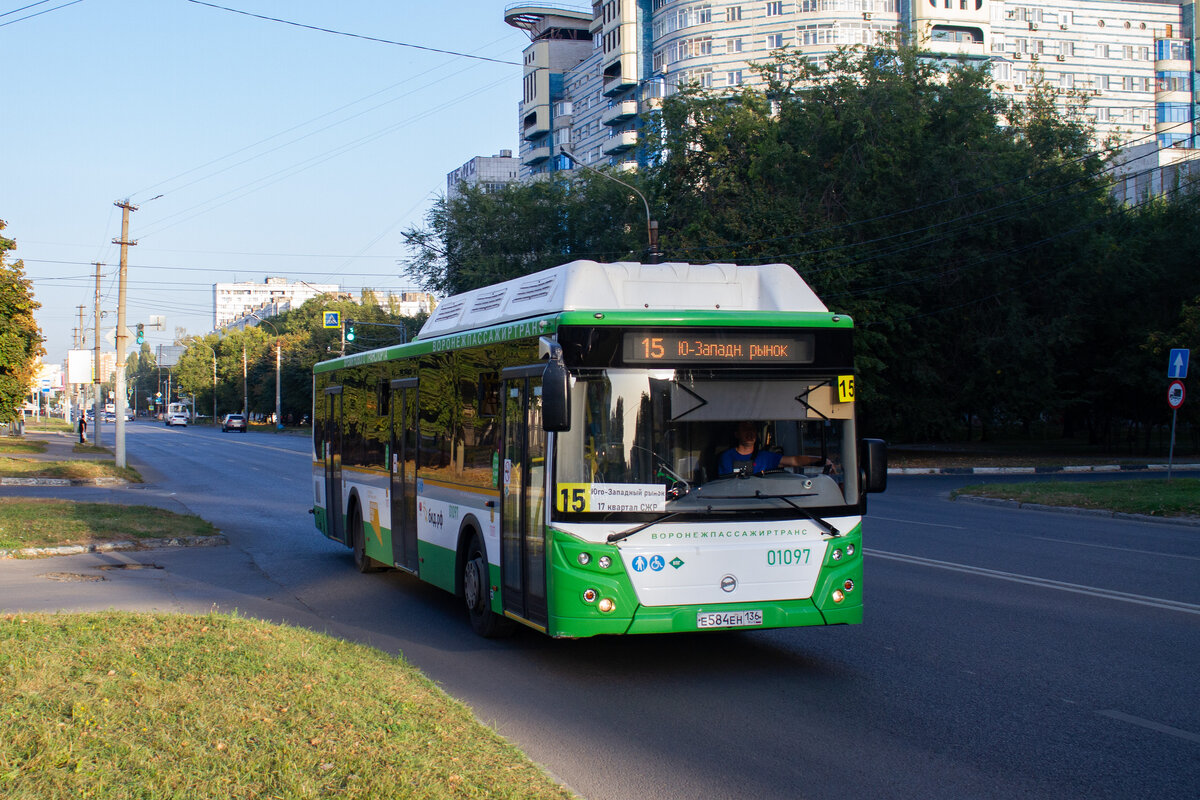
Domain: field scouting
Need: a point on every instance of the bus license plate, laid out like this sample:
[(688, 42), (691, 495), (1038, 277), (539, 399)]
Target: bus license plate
[(728, 619)]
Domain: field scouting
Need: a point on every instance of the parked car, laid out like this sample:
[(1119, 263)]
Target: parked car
[(233, 422)]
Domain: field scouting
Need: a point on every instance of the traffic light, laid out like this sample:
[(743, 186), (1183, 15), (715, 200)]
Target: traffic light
[(141, 333), (350, 332)]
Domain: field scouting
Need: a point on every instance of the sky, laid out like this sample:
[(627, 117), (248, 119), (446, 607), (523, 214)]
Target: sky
[(251, 147)]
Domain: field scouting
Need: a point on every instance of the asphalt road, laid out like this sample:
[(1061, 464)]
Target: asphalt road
[(1006, 653)]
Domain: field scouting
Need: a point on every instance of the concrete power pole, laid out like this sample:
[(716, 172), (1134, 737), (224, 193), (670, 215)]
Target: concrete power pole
[(97, 399), (119, 389)]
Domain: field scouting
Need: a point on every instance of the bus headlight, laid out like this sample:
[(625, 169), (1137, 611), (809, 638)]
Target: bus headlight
[(605, 562), (849, 549), (837, 555), (838, 596), (606, 605), (584, 559), (848, 585), (589, 595)]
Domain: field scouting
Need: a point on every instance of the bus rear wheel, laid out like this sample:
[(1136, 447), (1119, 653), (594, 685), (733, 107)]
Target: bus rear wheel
[(477, 595), (358, 537)]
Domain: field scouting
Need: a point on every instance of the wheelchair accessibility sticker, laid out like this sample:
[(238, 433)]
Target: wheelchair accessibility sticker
[(655, 563)]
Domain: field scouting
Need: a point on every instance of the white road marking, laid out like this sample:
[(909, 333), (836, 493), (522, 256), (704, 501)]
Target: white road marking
[(1092, 591), (1149, 723)]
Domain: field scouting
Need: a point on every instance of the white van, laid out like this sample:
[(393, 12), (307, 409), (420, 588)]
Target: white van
[(177, 414)]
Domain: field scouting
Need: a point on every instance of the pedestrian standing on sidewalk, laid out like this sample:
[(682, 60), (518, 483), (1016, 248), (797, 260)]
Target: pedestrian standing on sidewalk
[(82, 429)]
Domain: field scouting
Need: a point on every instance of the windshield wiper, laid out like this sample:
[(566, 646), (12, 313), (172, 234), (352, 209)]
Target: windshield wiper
[(613, 538), (787, 498)]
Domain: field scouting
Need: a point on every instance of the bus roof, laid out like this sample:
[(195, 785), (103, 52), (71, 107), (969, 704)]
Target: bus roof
[(625, 285)]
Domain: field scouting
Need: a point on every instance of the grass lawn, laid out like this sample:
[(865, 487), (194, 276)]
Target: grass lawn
[(14, 446), (119, 705), (1153, 496), (53, 523), (77, 470)]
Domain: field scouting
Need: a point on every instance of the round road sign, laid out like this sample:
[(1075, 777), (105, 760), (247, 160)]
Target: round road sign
[(1175, 394)]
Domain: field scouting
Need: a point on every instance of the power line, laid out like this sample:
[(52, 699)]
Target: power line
[(356, 35), (38, 14)]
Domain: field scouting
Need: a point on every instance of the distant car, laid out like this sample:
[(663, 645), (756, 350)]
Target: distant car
[(233, 422), (176, 418)]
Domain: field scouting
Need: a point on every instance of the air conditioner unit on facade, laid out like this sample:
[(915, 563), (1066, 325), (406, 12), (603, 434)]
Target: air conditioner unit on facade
[(1033, 56), (1033, 26), (867, 15), (1018, 87), (1145, 127), (1018, 56), (1060, 58), (1062, 27)]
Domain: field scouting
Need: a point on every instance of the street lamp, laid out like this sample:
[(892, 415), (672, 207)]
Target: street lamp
[(278, 356)]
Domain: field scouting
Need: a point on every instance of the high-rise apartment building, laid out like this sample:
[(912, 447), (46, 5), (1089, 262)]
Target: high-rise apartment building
[(232, 301), (489, 172), (588, 74)]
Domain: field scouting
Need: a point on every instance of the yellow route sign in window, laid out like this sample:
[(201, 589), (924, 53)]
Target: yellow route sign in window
[(845, 388)]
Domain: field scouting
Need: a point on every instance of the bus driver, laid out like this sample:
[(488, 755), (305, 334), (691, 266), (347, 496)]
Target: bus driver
[(745, 457)]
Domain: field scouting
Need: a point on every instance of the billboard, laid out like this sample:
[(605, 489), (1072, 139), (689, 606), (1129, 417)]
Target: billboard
[(79, 366)]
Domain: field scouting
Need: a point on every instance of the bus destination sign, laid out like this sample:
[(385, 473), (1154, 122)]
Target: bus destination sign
[(684, 346)]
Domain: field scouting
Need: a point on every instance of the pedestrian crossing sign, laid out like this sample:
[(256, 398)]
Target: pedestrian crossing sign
[(333, 319)]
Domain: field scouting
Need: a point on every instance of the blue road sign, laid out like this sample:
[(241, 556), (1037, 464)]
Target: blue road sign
[(1177, 364), (332, 319)]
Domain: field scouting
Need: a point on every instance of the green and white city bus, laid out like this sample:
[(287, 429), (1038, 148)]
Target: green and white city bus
[(556, 450)]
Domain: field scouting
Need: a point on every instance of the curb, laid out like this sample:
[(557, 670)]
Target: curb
[(1081, 512), (63, 482), (109, 547), (1039, 470)]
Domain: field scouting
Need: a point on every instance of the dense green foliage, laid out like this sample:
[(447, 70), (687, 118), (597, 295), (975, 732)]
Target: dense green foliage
[(994, 280), (20, 337)]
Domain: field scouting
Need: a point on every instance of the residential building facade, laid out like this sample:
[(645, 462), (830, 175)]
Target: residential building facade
[(589, 74), (489, 172), (232, 301)]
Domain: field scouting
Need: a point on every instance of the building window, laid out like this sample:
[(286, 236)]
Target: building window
[(733, 78), (775, 9), (1172, 112), (733, 45), (1171, 50), (1173, 81), (703, 15), (733, 14), (774, 41)]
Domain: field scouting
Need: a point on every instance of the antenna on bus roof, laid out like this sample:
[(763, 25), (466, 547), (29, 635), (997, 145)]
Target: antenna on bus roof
[(652, 252)]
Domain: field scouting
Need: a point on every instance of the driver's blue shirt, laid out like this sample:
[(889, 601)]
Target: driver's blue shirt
[(758, 461)]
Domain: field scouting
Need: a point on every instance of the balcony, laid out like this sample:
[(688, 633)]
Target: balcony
[(619, 142), (536, 122), (619, 111), (535, 155)]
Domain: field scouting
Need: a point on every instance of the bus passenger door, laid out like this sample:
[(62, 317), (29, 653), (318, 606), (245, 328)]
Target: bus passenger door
[(523, 513), (335, 526), (404, 473)]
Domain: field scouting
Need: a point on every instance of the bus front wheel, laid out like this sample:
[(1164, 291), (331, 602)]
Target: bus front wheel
[(477, 595)]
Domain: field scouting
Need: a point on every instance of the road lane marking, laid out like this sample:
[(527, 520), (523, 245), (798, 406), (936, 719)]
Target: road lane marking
[(1075, 588), (1149, 723), (1156, 553), (920, 522), (306, 452)]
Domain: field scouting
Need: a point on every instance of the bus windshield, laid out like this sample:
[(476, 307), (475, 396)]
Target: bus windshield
[(672, 441)]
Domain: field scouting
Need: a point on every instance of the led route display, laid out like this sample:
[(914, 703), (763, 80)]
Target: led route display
[(716, 347)]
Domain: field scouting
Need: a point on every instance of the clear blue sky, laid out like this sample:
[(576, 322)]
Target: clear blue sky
[(277, 150)]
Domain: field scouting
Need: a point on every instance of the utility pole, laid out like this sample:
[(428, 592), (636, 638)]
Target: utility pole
[(119, 388), (97, 400), (79, 390)]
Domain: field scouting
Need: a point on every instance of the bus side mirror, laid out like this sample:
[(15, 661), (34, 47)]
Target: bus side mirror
[(872, 456), (556, 398)]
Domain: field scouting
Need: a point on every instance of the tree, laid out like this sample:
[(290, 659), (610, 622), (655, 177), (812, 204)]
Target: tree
[(20, 337)]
